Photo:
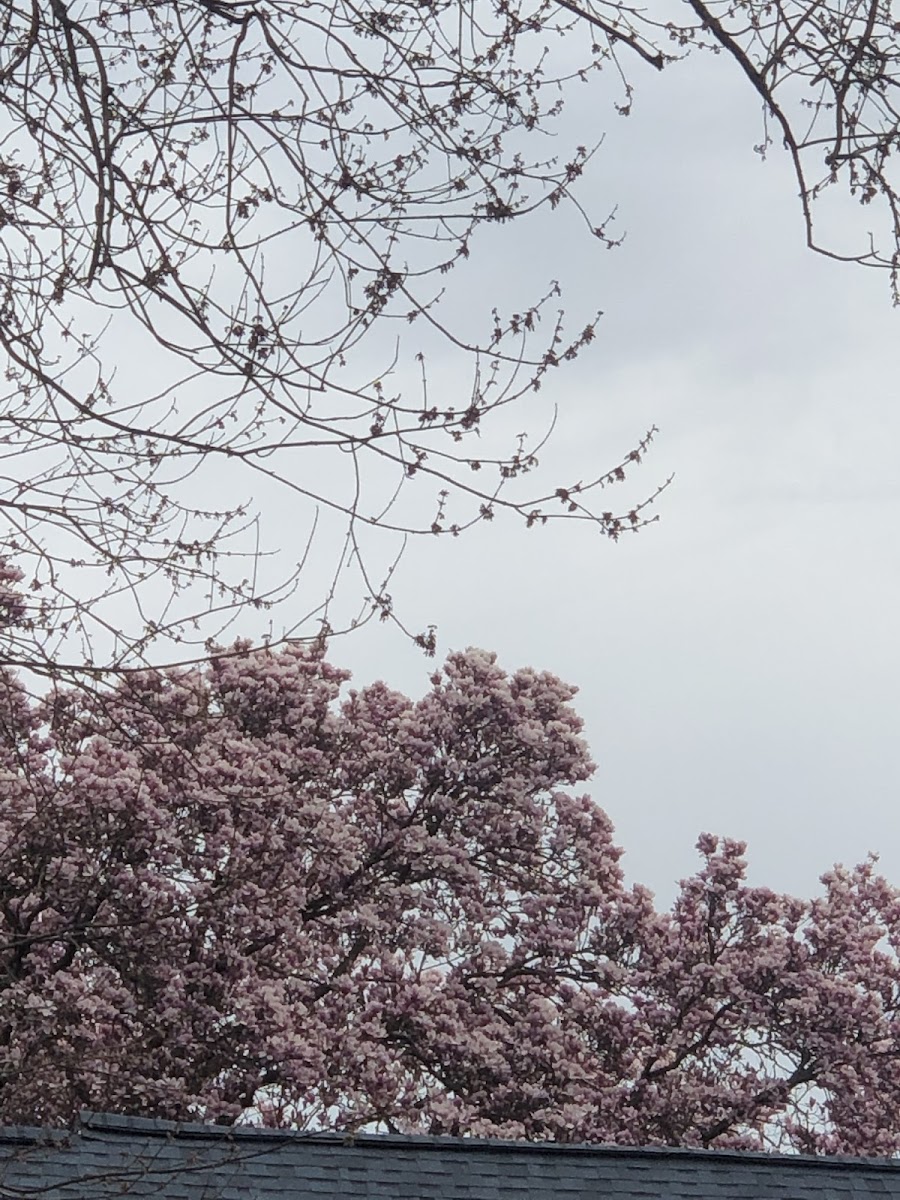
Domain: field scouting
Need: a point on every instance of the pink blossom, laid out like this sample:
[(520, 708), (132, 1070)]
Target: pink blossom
[(234, 893)]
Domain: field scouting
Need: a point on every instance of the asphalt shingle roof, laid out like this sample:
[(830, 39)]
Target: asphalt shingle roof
[(108, 1156)]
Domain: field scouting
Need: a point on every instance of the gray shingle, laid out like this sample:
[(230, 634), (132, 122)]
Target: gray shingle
[(109, 1156)]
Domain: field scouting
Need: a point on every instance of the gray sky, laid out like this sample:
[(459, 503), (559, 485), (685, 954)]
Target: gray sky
[(738, 662)]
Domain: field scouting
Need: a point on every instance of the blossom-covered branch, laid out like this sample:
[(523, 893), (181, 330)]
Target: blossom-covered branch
[(242, 892)]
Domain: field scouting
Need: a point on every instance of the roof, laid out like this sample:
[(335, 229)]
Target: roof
[(109, 1156)]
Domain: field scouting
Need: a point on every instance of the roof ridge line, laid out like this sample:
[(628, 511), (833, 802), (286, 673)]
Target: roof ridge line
[(97, 1124)]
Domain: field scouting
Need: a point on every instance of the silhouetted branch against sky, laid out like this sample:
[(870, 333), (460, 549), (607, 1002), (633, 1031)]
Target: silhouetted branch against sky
[(249, 285)]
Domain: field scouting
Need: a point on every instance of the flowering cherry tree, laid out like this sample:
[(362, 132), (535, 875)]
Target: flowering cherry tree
[(244, 892)]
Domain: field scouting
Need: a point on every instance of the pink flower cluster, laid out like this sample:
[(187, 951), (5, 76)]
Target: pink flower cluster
[(238, 893)]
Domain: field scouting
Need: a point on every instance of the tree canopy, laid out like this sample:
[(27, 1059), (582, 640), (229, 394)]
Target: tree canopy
[(230, 886), (231, 230), (243, 892)]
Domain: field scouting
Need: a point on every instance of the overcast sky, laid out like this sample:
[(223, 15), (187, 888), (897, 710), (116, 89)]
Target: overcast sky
[(738, 662)]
